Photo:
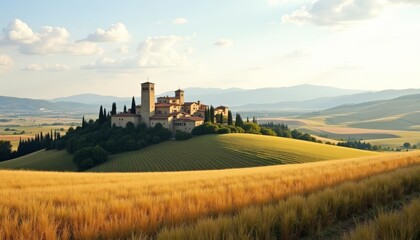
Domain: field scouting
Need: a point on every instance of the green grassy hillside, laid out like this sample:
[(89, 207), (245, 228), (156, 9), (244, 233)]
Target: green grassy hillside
[(199, 153), (224, 151), (397, 114), (42, 160)]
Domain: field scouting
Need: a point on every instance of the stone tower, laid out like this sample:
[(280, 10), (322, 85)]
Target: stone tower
[(147, 102), (180, 95)]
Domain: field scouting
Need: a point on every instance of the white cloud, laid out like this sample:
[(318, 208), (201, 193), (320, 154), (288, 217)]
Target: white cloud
[(180, 21), (160, 52), (49, 40), (19, 32), (83, 48), (46, 67), (116, 33), (154, 52), (298, 16), (32, 67), (224, 42), (336, 12), (122, 49), (6, 62), (103, 63)]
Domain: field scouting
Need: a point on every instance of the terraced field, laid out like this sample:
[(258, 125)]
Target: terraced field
[(42, 160), (224, 151), (200, 153)]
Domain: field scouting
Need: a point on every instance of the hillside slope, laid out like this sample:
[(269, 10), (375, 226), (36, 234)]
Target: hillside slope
[(224, 151), (401, 113), (42, 160), (40, 107), (322, 103), (200, 153)]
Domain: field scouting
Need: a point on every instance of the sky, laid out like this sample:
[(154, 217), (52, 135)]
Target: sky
[(52, 49)]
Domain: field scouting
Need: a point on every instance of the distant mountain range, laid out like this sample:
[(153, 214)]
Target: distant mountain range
[(13, 105), (297, 99), (228, 97)]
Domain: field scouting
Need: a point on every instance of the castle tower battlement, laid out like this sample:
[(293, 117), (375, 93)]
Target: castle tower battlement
[(147, 102), (180, 95)]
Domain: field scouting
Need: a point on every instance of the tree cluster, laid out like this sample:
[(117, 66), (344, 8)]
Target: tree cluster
[(5, 150), (85, 141), (358, 145), (28, 146)]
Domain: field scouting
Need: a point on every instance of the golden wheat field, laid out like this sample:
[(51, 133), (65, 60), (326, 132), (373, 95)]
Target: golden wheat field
[(404, 224), (52, 205)]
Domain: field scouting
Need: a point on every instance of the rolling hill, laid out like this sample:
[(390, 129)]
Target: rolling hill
[(224, 151), (322, 103), (200, 153), (402, 113), (41, 107), (42, 160)]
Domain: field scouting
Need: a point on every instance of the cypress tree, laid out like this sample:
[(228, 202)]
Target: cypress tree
[(211, 114), (133, 106), (230, 120), (254, 119), (101, 112), (83, 122), (114, 108), (104, 116), (239, 122), (247, 119), (206, 115), (125, 109)]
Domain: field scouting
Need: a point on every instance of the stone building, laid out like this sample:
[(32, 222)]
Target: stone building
[(172, 112)]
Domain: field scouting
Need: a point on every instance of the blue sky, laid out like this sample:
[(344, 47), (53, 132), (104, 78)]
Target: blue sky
[(55, 48)]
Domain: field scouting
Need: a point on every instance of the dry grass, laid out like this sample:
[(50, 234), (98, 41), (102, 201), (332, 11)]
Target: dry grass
[(300, 216), (395, 225), (50, 205)]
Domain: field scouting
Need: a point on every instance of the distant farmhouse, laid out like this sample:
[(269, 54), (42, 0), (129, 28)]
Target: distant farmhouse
[(172, 112)]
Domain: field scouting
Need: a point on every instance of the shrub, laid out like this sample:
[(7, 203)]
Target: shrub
[(268, 131), (206, 128), (181, 135), (86, 164), (250, 127), (97, 155), (223, 130)]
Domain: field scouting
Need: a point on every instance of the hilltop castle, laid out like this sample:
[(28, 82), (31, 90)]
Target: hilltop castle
[(172, 112)]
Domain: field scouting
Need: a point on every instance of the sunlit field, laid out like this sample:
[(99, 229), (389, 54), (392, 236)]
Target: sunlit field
[(12, 129), (404, 224), (52, 205), (200, 153)]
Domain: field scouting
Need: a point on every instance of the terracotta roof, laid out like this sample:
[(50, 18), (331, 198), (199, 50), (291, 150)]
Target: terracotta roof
[(161, 116), (221, 107), (166, 97), (166, 116), (162, 104), (189, 119), (189, 103), (166, 104), (125, 115)]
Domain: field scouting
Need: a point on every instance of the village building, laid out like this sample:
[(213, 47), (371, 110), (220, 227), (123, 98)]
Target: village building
[(172, 112)]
